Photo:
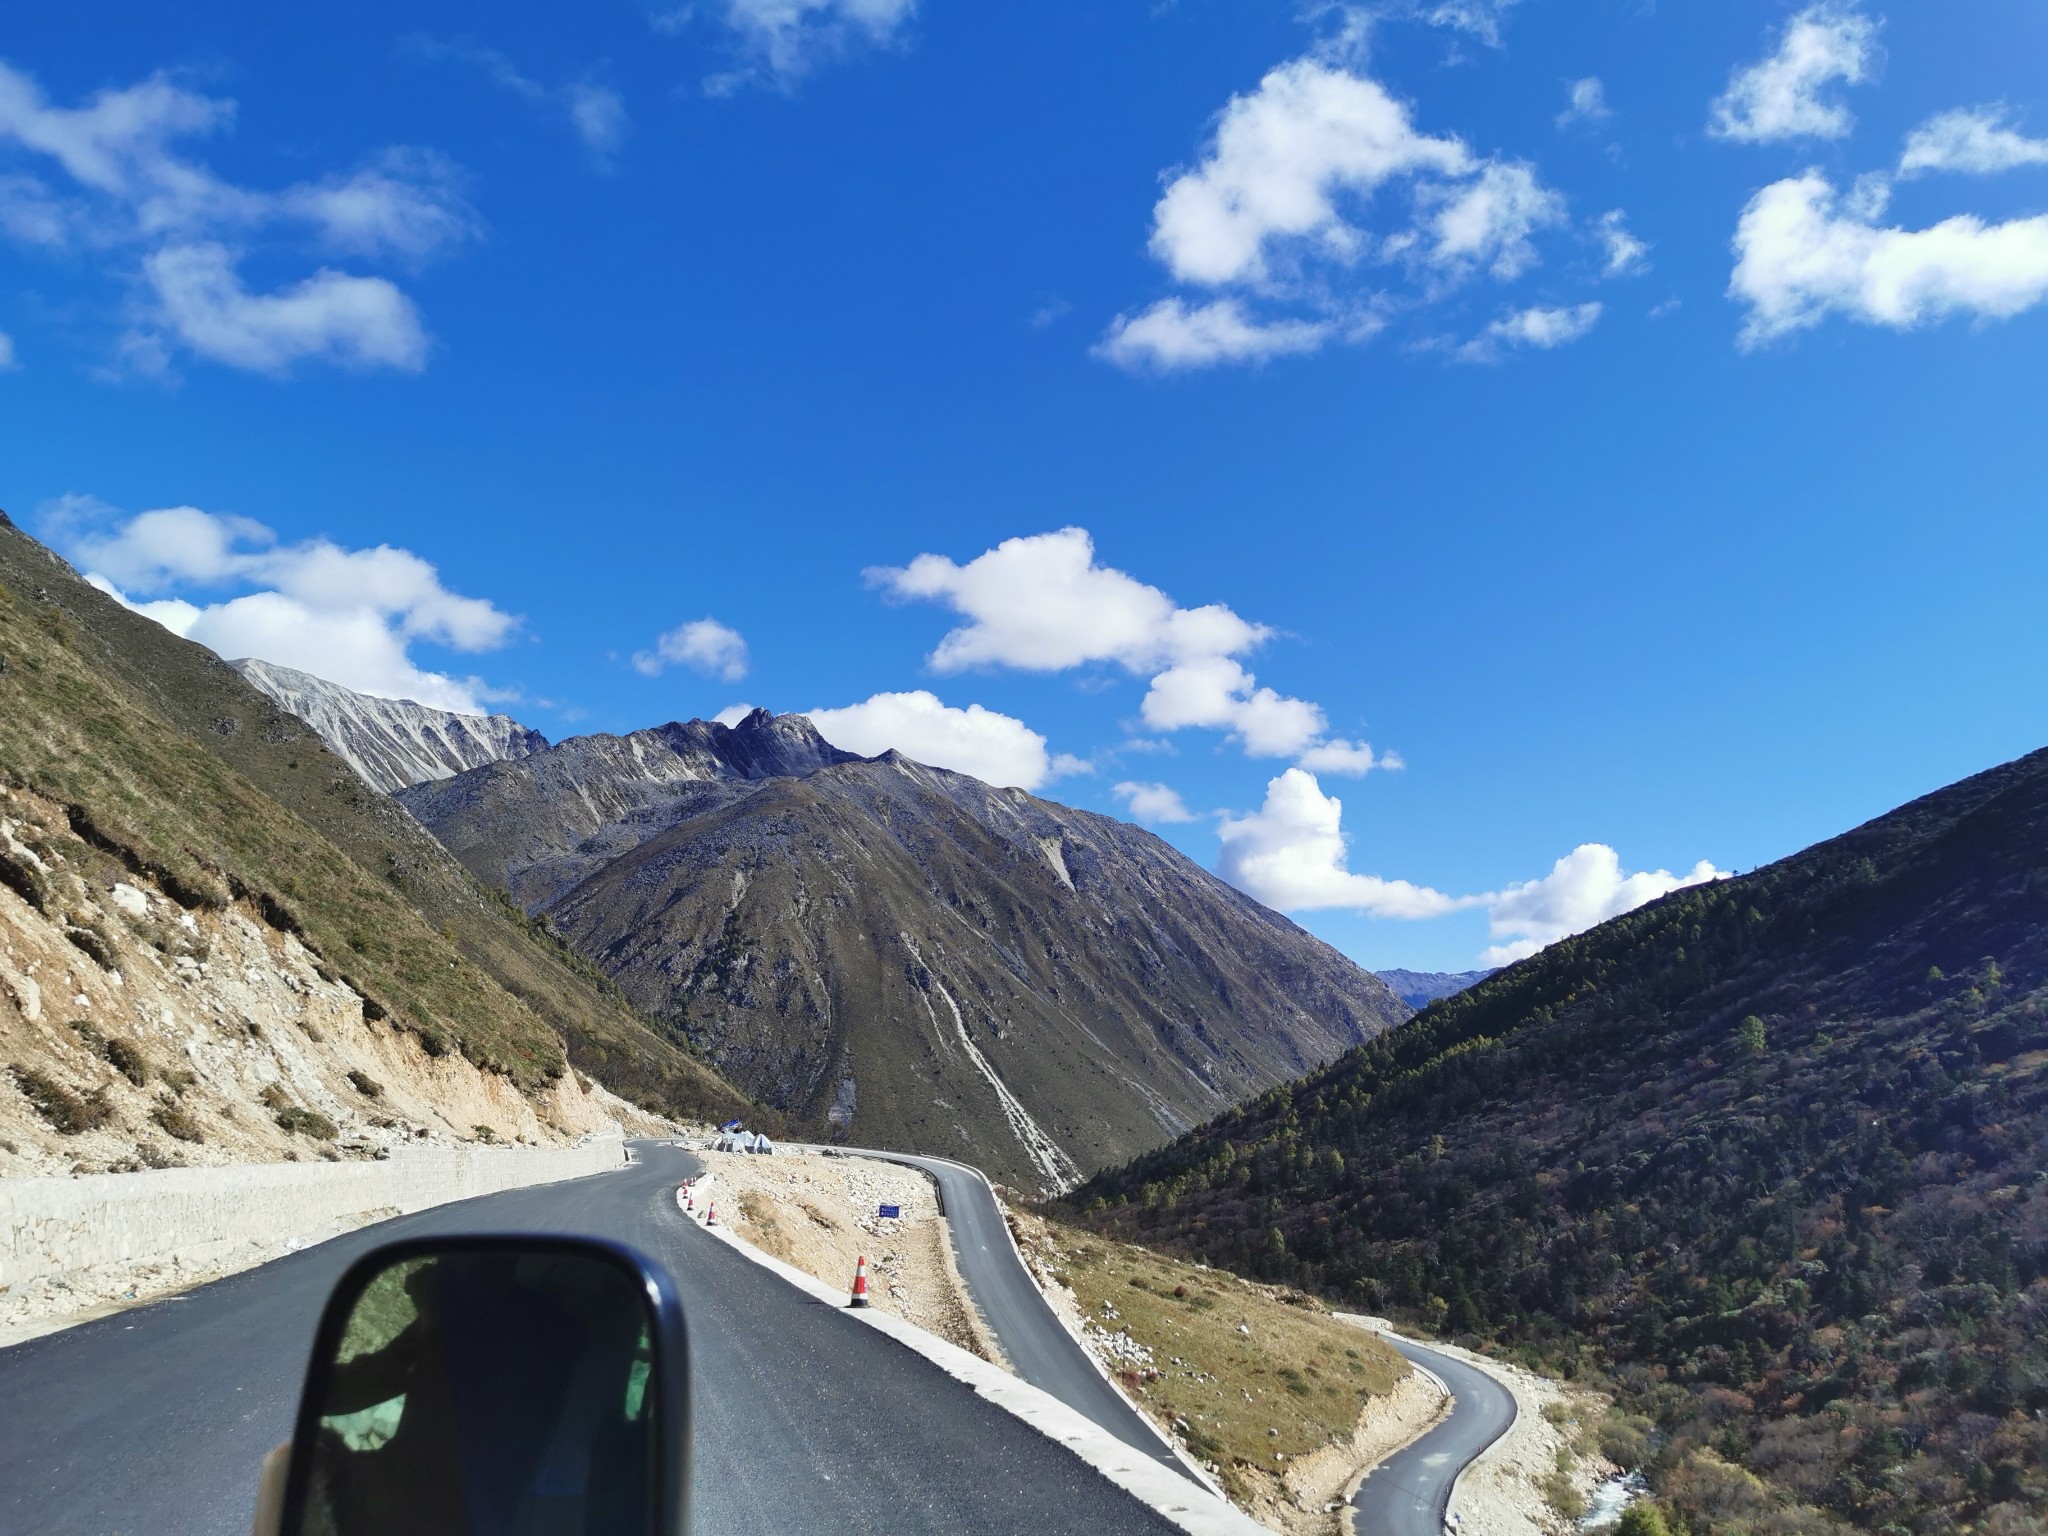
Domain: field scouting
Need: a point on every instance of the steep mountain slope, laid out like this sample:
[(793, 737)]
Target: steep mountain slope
[(390, 742), (1770, 1151), (1418, 989), (163, 757), (905, 954)]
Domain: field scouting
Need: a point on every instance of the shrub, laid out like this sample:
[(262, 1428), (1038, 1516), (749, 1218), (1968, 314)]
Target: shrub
[(305, 1122), (176, 1122), (68, 1112), (366, 1085), (1642, 1518), (126, 1058)]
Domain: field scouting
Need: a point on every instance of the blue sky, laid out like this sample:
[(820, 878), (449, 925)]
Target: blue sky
[(1624, 417)]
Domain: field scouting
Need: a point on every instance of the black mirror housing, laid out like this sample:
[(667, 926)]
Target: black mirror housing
[(515, 1385)]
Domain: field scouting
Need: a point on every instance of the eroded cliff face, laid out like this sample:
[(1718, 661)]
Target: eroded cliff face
[(137, 1032), (901, 955), (391, 742)]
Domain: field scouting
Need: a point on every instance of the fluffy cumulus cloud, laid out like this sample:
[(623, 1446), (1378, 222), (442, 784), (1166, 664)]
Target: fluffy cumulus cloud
[(1804, 252), (1585, 887), (1157, 804), (595, 113), (111, 176), (348, 615), (703, 645), (1291, 854), (1315, 195), (995, 748), (1044, 604), (1978, 141), (1792, 94)]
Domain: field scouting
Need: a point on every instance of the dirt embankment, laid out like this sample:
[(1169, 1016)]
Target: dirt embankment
[(821, 1214), (138, 1033)]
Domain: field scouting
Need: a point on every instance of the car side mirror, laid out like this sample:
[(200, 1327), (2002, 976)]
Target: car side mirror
[(503, 1386)]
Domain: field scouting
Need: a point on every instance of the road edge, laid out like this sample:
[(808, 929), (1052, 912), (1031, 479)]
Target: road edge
[(1157, 1487)]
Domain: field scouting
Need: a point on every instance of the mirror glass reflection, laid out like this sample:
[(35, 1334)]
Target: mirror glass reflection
[(495, 1393)]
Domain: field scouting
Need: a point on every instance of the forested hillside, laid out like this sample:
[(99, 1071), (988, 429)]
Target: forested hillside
[(1767, 1154)]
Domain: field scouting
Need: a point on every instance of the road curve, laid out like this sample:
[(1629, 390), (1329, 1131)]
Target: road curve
[(154, 1420), (1034, 1340), (1409, 1493)]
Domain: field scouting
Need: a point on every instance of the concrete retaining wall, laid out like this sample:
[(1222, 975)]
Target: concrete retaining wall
[(206, 1219)]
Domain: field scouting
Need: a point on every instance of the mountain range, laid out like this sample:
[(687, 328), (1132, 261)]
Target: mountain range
[(1418, 989), (904, 955), (1765, 1157)]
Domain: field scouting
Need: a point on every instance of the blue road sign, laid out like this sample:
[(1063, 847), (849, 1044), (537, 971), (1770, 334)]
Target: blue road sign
[(892, 1210)]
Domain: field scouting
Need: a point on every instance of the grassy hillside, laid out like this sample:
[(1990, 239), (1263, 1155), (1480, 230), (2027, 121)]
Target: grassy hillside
[(1768, 1154), (165, 758)]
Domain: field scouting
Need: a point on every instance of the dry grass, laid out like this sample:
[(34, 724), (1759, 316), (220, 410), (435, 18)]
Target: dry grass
[(1245, 1376)]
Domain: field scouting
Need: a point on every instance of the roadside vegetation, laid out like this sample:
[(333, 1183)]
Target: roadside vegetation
[(1247, 1377)]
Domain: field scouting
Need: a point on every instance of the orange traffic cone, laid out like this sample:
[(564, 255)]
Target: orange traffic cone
[(689, 1200), (860, 1282), (711, 1213)]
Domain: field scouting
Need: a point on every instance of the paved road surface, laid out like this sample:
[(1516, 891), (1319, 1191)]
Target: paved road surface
[(1037, 1344), (154, 1420), (1409, 1493)]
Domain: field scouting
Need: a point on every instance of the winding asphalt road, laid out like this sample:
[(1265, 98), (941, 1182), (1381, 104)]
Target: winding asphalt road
[(1033, 1339), (1409, 1493), (807, 1421)]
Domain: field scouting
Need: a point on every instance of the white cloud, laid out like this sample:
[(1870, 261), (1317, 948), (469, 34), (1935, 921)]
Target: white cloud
[(1803, 252), (1482, 18), (1291, 855), (1625, 254), (348, 615), (132, 188), (1975, 140), (733, 714), (1782, 97), (1158, 804), (1583, 888), (1352, 759), (1281, 207), (1218, 693), (1585, 102), (704, 645), (1541, 326), (785, 40), (595, 113), (7, 360), (361, 322), (995, 748), (1279, 159), (1170, 335), (1043, 604), (1544, 327), (1488, 222)]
